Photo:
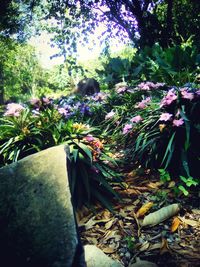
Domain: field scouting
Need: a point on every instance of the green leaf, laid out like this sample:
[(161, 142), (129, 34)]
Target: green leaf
[(85, 149), (85, 179), (102, 200), (183, 190), (170, 150), (75, 154)]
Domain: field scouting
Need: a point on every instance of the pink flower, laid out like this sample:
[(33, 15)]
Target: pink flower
[(35, 102), (89, 138), (13, 109), (198, 92), (178, 123), (127, 128), (110, 115), (122, 89), (46, 100), (136, 119), (168, 99), (165, 116), (186, 95), (99, 96), (143, 103), (63, 111)]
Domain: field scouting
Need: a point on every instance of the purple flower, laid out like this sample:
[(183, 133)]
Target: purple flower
[(127, 128), (169, 98), (165, 116), (13, 109), (178, 123), (110, 115), (136, 119), (186, 95)]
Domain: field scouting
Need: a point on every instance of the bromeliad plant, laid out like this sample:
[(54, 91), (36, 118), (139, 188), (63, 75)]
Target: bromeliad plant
[(90, 173)]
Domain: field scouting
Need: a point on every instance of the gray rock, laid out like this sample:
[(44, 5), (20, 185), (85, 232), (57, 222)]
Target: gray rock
[(97, 258), (36, 216)]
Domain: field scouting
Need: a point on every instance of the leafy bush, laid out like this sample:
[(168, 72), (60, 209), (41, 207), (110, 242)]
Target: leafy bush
[(168, 137), (175, 65)]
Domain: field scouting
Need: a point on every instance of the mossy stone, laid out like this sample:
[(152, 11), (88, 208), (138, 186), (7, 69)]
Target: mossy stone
[(37, 227)]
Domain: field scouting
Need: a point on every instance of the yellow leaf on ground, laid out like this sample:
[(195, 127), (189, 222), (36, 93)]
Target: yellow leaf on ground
[(165, 247), (175, 224), (143, 210), (108, 250), (190, 222)]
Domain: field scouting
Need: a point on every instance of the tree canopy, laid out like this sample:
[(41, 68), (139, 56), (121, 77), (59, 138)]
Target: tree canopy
[(144, 22)]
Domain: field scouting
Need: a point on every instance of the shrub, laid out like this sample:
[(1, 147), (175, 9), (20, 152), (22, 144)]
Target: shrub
[(168, 137)]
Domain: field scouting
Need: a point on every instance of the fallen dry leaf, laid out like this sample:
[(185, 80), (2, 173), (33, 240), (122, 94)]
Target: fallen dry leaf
[(143, 247), (165, 247), (160, 215), (190, 222), (175, 224), (109, 224), (143, 210), (109, 250)]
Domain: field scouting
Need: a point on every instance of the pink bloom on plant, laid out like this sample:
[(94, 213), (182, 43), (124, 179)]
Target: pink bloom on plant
[(178, 123), (168, 99), (110, 115), (143, 103), (13, 109), (127, 128), (63, 111), (198, 92), (35, 101), (186, 95), (89, 138), (46, 100), (99, 96), (136, 119), (165, 116), (122, 89)]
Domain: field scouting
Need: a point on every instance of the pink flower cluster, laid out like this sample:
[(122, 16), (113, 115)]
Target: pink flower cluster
[(150, 85), (129, 126), (167, 117), (13, 109), (169, 98), (143, 103)]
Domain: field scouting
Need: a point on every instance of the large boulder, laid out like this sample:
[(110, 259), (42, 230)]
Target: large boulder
[(37, 225), (88, 86)]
